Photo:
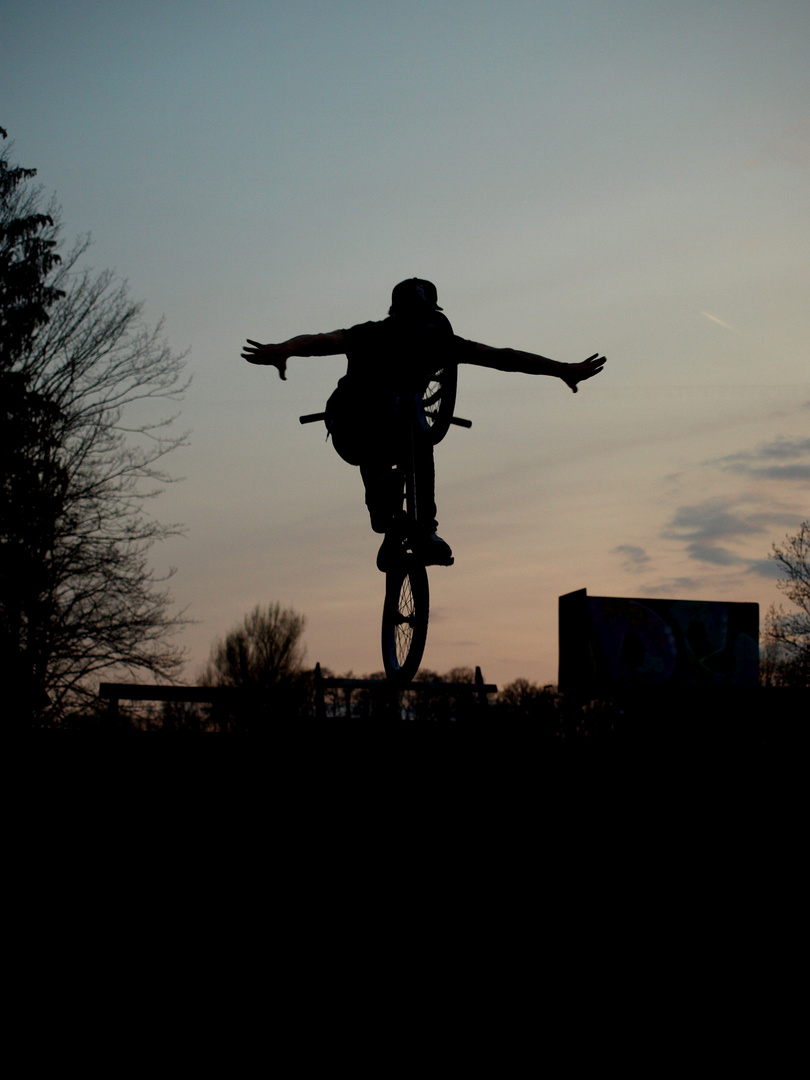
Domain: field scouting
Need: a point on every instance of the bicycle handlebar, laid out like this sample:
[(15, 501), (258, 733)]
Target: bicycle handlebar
[(313, 418)]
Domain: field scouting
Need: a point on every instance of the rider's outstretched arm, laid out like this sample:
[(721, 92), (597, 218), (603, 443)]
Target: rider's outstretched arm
[(534, 364), (303, 345)]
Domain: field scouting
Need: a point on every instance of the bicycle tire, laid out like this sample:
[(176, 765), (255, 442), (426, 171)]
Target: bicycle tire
[(406, 612), (437, 402)]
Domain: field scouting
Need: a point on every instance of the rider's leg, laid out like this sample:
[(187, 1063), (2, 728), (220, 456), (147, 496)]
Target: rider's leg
[(425, 485), (384, 502), (366, 440), (383, 493), (384, 488), (432, 549), (383, 485)]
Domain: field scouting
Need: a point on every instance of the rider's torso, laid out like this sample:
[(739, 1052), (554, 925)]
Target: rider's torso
[(388, 357)]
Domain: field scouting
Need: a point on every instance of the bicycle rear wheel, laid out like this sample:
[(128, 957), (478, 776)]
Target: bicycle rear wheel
[(405, 619), (435, 409)]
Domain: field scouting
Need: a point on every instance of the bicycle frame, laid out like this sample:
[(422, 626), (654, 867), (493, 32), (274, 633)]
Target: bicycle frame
[(407, 465)]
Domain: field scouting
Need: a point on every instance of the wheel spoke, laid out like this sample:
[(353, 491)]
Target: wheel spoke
[(405, 622), (437, 401)]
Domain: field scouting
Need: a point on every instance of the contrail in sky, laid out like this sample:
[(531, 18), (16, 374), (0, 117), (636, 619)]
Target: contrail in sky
[(715, 319)]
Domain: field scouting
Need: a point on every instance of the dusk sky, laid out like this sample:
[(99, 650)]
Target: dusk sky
[(630, 177)]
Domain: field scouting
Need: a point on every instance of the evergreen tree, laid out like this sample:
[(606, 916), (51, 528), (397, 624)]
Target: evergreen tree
[(27, 257)]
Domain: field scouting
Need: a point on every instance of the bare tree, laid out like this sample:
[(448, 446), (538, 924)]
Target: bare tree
[(787, 634), (263, 657), (84, 438)]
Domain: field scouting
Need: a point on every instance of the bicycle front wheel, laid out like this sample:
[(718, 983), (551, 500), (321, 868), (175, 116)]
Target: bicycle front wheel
[(435, 408), (405, 619)]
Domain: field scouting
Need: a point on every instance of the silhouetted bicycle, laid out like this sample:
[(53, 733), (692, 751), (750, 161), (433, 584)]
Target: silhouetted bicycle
[(424, 413)]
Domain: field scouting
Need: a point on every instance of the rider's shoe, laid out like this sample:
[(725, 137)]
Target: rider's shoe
[(433, 551)]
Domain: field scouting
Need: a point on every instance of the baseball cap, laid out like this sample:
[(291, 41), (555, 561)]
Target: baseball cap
[(414, 291)]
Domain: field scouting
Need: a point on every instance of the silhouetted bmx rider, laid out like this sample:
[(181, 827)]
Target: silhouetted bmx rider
[(383, 358)]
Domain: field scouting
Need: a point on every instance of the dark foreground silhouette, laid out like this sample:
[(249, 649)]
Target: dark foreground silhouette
[(758, 716)]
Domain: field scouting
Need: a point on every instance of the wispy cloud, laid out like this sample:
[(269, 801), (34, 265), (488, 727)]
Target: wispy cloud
[(672, 587), (715, 519), (707, 530), (634, 559), (714, 318), (766, 568), (780, 459), (715, 555)]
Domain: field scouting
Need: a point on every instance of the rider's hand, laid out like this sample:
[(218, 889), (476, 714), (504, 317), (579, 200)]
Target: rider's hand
[(267, 355), (576, 373)]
